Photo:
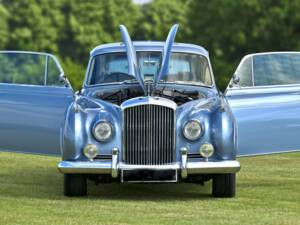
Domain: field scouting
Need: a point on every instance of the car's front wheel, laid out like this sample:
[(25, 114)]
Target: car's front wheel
[(224, 185), (75, 185)]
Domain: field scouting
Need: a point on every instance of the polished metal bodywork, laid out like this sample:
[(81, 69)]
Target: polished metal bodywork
[(149, 132), (268, 117), (54, 120), (32, 116)]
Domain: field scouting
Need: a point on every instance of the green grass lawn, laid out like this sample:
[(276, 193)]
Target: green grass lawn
[(31, 192)]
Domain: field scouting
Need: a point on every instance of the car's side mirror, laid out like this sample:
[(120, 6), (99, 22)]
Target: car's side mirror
[(235, 80), (63, 79)]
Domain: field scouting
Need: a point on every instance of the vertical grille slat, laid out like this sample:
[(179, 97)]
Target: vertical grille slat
[(148, 135)]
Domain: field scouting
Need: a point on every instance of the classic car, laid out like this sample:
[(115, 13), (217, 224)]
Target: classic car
[(149, 112)]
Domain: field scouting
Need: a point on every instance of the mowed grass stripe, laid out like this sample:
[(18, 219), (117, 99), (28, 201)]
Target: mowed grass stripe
[(31, 192)]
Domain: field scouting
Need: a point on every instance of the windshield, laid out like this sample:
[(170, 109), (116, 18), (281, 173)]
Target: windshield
[(184, 68)]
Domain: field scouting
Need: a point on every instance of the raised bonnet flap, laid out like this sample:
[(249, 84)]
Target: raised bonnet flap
[(166, 54), (133, 68)]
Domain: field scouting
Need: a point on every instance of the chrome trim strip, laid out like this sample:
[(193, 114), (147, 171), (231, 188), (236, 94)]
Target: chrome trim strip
[(183, 152), (230, 166), (123, 166), (148, 100), (252, 72), (114, 166), (94, 167), (105, 167), (46, 70)]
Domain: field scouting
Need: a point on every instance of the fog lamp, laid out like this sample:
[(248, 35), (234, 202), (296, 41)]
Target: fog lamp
[(90, 151), (206, 150)]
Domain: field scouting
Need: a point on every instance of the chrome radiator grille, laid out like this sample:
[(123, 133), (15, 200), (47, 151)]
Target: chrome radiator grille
[(148, 135)]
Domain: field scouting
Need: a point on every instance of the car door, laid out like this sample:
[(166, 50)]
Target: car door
[(33, 102), (264, 95)]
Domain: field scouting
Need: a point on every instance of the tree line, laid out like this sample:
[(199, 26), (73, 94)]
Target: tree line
[(228, 29)]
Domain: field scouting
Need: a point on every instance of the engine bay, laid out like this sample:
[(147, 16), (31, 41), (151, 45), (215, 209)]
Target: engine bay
[(120, 95)]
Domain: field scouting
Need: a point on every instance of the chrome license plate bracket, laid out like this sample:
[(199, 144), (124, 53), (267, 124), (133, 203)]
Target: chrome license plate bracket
[(149, 176)]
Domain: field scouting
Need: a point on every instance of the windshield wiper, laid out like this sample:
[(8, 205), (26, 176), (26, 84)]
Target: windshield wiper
[(183, 83), (128, 81)]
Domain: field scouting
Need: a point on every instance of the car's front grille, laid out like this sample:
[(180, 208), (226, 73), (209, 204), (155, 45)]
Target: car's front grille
[(148, 135)]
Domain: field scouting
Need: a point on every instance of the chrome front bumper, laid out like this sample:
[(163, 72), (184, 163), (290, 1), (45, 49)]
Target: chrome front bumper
[(105, 167), (113, 166)]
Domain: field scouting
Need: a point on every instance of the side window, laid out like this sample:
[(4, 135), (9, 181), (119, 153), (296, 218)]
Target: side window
[(16, 68), (276, 69), (245, 73), (53, 73), (29, 68)]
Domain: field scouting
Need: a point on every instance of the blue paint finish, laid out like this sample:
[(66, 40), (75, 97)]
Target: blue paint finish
[(149, 46), (167, 53), (57, 113), (133, 68), (249, 121), (218, 124), (268, 118), (32, 117), (79, 125)]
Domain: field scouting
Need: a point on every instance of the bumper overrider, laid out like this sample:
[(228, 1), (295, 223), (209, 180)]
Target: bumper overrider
[(113, 166)]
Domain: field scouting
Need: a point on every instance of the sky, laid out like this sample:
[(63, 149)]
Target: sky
[(141, 1)]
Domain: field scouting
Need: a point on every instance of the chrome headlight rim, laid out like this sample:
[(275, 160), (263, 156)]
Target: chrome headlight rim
[(94, 130), (201, 130)]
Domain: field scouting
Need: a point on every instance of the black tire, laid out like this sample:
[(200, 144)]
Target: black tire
[(75, 185), (223, 185)]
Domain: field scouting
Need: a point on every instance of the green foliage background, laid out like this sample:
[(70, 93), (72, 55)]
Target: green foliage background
[(228, 29)]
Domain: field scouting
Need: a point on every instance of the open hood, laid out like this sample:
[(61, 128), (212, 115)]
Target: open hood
[(133, 68), (166, 54)]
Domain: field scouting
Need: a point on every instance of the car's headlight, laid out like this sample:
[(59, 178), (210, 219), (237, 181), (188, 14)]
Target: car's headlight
[(192, 130), (102, 131)]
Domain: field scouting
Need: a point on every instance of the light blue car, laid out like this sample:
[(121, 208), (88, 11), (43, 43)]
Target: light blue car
[(149, 112)]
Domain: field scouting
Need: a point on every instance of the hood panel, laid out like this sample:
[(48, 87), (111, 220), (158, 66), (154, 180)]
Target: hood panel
[(133, 68), (166, 54)]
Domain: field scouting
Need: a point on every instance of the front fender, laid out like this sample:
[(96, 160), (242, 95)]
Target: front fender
[(78, 130), (224, 131), (219, 127)]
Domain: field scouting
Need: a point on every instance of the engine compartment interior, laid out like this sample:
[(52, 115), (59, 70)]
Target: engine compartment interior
[(119, 95)]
